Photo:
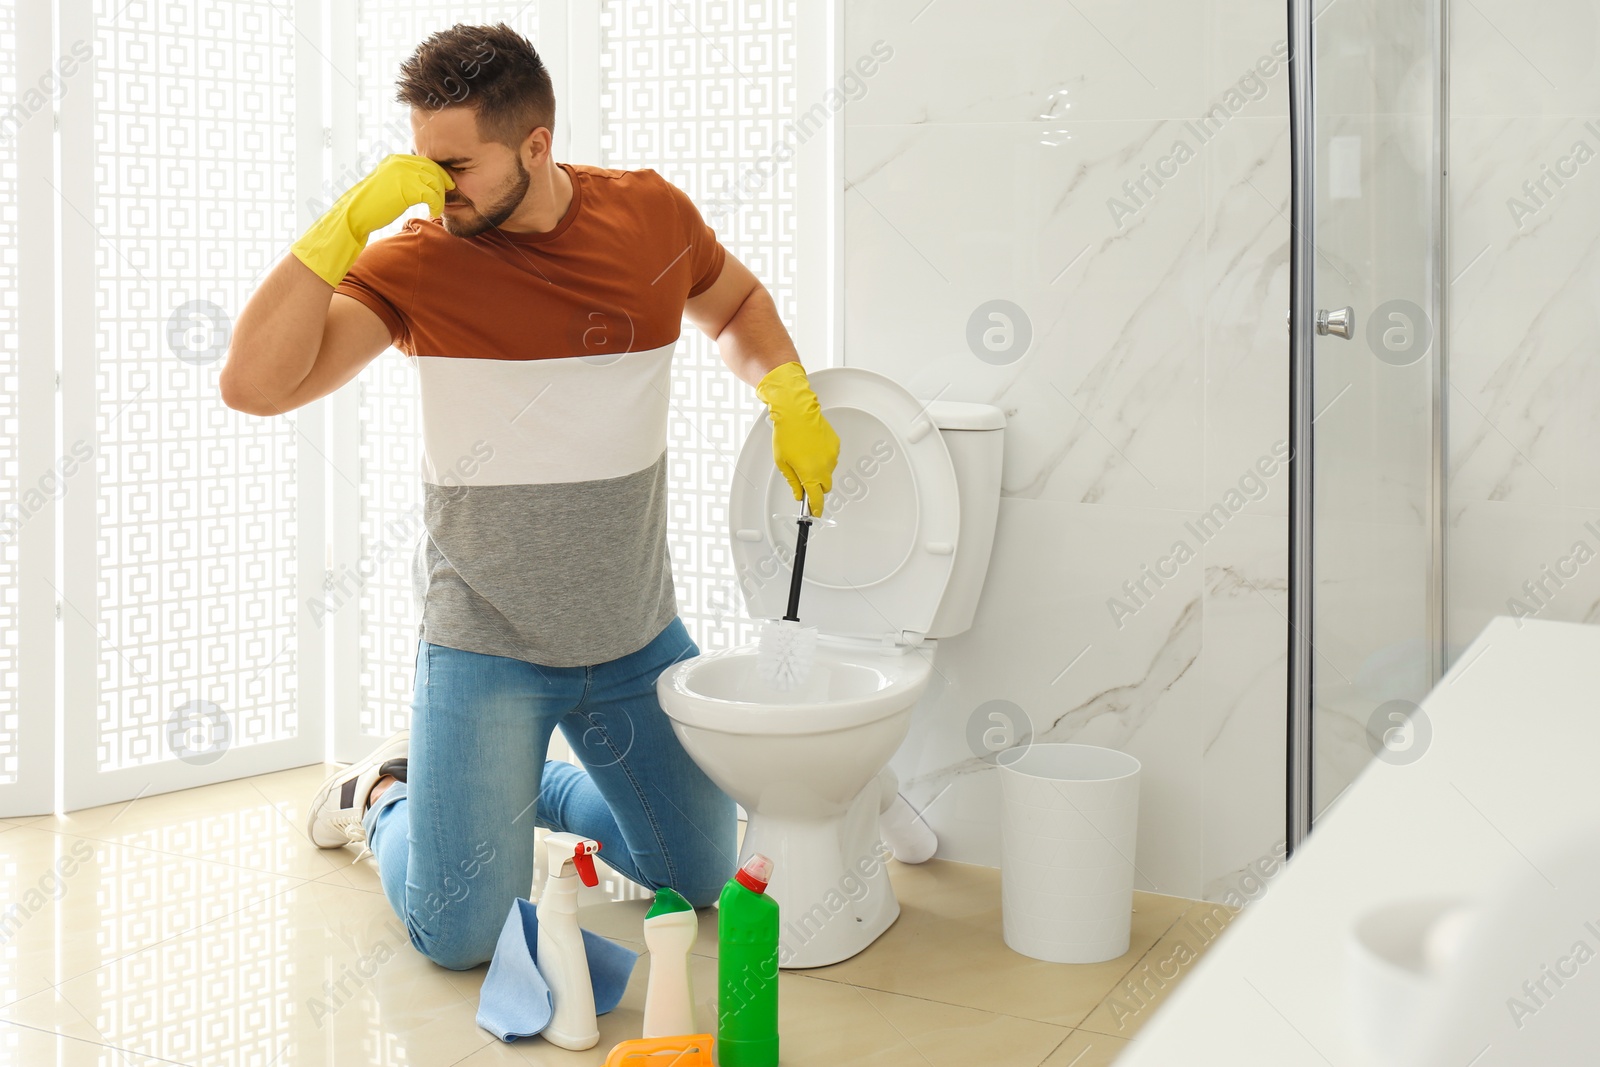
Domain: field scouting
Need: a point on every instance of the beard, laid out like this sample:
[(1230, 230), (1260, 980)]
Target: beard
[(473, 220)]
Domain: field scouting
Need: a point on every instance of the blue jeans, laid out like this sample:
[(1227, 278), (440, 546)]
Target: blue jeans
[(454, 842)]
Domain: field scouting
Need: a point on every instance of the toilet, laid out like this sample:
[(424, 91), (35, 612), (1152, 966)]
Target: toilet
[(896, 562)]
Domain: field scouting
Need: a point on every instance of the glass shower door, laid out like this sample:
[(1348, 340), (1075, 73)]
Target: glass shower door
[(1375, 548)]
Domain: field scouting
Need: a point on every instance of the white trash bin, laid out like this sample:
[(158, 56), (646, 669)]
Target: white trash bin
[(1068, 821)]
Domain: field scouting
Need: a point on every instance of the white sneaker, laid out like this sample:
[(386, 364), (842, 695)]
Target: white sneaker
[(341, 800)]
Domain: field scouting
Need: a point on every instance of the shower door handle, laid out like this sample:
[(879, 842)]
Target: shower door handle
[(1340, 323)]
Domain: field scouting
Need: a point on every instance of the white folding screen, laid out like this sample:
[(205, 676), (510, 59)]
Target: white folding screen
[(193, 536), (33, 473), (11, 464)]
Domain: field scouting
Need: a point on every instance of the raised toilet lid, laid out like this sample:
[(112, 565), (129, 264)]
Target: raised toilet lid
[(882, 567)]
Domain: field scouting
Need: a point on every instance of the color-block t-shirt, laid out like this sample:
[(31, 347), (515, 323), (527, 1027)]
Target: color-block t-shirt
[(544, 376)]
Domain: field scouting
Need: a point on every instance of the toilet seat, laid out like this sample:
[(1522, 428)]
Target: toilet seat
[(880, 569)]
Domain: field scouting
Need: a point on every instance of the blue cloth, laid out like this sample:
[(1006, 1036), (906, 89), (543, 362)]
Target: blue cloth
[(515, 1000)]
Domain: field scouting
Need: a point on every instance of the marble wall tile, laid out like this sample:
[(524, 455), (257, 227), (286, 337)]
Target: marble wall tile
[(1106, 397), (1524, 415), (1247, 269), (1243, 673), (1524, 383), (1524, 560), (967, 61), (1046, 655), (1244, 658), (1525, 60), (1146, 248), (1241, 36)]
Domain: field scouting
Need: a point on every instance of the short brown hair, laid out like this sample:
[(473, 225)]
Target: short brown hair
[(491, 68)]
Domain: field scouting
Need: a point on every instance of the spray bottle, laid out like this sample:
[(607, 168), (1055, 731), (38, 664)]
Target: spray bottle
[(669, 932), (560, 955), (747, 968)]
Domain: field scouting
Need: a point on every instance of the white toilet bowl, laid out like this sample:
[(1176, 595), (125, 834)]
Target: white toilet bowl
[(899, 564), (804, 764)]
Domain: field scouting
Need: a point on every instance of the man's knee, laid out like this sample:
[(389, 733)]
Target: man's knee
[(456, 961), (458, 946), (456, 954)]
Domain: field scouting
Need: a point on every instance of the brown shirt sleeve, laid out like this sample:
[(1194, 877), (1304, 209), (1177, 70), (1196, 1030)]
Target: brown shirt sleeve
[(706, 254), (383, 277)]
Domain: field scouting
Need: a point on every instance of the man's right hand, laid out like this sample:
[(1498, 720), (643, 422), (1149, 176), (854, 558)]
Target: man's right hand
[(333, 242)]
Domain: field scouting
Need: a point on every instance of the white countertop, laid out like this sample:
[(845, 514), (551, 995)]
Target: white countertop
[(1511, 761)]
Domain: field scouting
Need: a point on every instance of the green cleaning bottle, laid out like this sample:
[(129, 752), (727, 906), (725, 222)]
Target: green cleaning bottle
[(747, 969)]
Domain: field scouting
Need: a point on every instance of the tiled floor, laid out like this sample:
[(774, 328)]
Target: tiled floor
[(199, 928)]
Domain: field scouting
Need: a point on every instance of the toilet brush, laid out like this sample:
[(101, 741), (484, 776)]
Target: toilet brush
[(786, 646)]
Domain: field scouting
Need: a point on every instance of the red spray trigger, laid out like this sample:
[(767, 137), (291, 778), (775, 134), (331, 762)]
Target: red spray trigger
[(583, 860)]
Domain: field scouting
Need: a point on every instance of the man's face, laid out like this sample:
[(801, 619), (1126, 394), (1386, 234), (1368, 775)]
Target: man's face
[(490, 178)]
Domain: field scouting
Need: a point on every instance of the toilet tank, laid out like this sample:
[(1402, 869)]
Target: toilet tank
[(974, 434)]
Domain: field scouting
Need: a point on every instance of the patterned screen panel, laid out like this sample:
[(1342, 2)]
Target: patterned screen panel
[(13, 510), (196, 600), (699, 90), (388, 31)]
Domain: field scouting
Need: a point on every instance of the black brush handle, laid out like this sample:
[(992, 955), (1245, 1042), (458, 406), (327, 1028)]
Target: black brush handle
[(799, 567)]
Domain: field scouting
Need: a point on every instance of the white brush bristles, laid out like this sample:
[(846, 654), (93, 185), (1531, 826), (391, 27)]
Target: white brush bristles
[(786, 652)]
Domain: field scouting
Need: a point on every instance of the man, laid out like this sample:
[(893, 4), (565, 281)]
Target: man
[(540, 304)]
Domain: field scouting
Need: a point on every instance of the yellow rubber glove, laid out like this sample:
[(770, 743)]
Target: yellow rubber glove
[(333, 242), (804, 446)]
